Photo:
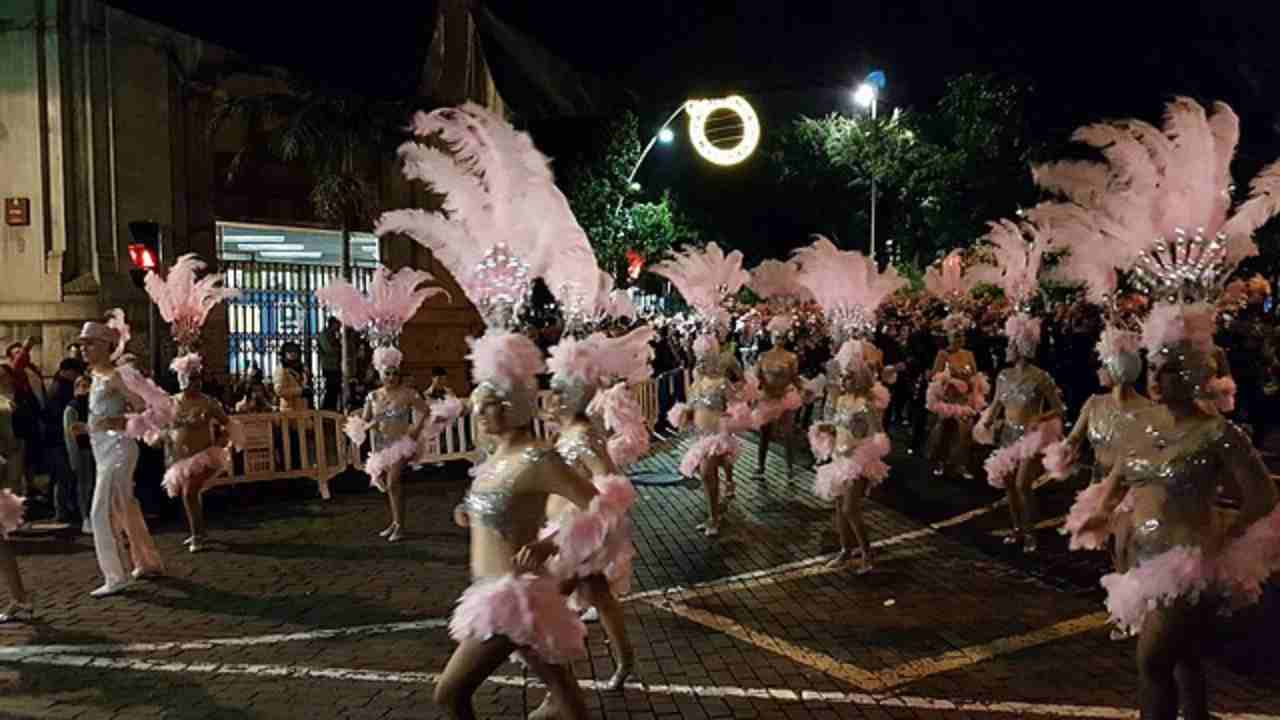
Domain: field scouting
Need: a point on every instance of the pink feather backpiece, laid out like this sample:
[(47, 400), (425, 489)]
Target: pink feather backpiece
[(161, 409), (185, 302), (846, 283), (705, 277), (1017, 250), (498, 190), (504, 359), (624, 417), (948, 280), (778, 280), (392, 300), (116, 321)]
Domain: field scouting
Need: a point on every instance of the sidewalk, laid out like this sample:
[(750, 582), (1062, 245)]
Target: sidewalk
[(301, 611)]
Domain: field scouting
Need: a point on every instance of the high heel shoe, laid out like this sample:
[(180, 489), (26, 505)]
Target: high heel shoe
[(396, 535), (19, 612), (390, 529)]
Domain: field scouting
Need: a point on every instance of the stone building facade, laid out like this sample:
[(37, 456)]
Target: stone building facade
[(103, 121)]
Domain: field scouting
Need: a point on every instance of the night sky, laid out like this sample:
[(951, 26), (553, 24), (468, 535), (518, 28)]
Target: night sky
[(1083, 60)]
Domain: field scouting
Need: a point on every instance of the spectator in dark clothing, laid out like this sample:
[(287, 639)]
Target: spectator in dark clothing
[(28, 396), (329, 347), (79, 451), (62, 480)]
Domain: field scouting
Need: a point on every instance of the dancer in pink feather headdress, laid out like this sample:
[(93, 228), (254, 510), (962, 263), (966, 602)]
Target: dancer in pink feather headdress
[(1163, 198), (778, 369), (197, 429), (850, 288), (706, 278), (957, 392), (394, 414), (503, 224), (589, 394), (1025, 416)]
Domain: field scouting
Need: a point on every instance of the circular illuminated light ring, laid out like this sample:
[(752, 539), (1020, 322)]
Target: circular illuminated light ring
[(700, 110)]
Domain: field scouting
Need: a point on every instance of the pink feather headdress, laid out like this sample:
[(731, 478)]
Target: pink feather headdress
[(509, 362), (598, 359), (948, 280), (185, 302), (779, 281), (1162, 198), (381, 313), (1115, 342), (187, 365), (847, 285), (851, 356), (1017, 250), (587, 305), (706, 277), (502, 223)]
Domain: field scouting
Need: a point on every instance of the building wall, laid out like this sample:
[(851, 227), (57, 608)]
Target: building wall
[(103, 121)]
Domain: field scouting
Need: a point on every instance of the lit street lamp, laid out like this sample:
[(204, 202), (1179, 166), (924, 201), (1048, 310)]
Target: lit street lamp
[(868, 95)]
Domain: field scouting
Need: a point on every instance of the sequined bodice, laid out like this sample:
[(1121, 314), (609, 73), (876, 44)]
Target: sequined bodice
[(1178, 459), (776, 369), (711, 394), (488, 501), (860, 421), (575, 449), (104, 400), (1108, 422), (402, 415)]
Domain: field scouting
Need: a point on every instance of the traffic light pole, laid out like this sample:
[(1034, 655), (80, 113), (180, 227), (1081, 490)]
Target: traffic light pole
[(153, 318)]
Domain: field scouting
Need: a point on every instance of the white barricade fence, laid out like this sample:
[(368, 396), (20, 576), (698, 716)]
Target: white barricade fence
[(279, 445), (311, 444)]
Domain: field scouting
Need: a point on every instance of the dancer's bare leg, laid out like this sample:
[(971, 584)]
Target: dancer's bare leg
[(1028, 471), (730, 487), (711, 485), (469, 666), (1015, 511), (1169, 664), (788, 429), (851, 504), (762, 453), (395, 497), (191, 502), (598, 593), (566, 701)]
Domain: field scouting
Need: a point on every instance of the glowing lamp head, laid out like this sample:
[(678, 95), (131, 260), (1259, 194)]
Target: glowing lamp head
[(865, 94), (666, 135)]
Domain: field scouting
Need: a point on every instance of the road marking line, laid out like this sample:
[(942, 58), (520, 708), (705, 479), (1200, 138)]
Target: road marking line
[(974, 654), (821, 662), (12, 653), (718, 691), (1042, 525)]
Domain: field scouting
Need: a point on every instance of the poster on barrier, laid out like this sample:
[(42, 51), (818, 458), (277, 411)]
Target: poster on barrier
[(257, 446)]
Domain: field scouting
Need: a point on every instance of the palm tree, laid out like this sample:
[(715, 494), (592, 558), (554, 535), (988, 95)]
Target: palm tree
[(339, 137)]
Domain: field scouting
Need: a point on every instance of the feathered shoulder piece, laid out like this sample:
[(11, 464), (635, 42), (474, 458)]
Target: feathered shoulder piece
[(778, 281), (847, 285), (706, 277), (183, 301), (1158, 190), (502, 222), (1016, 253)]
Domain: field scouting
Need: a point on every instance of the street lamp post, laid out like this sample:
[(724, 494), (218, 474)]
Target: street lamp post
[(664, 134), (868, 95)]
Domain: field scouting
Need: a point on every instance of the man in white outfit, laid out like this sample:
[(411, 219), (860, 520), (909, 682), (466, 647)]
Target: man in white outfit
[(115, 513)]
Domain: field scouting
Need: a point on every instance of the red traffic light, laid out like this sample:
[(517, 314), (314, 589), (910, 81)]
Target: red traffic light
[(143, 257)]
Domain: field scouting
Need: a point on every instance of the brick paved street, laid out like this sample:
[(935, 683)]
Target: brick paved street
[(300, 611)]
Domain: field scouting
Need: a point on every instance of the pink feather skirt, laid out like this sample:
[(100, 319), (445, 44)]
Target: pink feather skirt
[(936, 398), (526, 609), (714, 445), (1238, 572), (381, 461), (11, 512), (769, 410), (195, 471), (1005, 461), (833, 480)]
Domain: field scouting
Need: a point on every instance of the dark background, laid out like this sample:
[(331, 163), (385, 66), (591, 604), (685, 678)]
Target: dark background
[(1080, 60)]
